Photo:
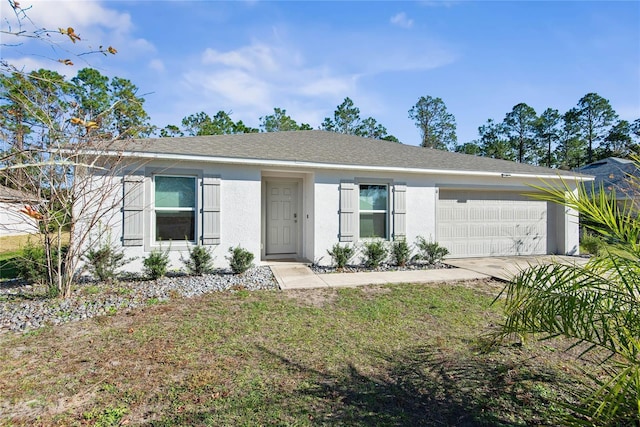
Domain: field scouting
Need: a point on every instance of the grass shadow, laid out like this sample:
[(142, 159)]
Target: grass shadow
[(420, 386)]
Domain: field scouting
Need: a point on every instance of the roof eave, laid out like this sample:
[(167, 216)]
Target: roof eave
[(339, 166)]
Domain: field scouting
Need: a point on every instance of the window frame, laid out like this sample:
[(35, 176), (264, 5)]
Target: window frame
[(156, 243), (386, 211)]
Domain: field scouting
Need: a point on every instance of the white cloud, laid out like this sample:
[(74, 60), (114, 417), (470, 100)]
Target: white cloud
[(236, 86), (259, 76), (93, 21), (27, 64), (329, 86), (156, 65), (251, 58), (81, 15), (401, 20), (252, 79)]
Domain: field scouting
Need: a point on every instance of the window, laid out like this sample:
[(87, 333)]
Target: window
[(175, 208), (374, 209)]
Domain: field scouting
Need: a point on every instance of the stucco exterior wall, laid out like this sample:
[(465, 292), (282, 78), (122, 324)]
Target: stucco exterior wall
[(242, 207), (240, 214), (13, 222), (420, 218)]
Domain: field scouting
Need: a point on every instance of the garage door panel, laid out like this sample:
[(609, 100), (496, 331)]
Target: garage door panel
[(477, 223)]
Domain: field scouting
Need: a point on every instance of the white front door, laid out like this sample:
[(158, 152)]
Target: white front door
[(282, 217)]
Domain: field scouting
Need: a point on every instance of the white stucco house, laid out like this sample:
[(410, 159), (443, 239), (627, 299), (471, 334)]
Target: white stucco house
[(12, 221), (293, 195)]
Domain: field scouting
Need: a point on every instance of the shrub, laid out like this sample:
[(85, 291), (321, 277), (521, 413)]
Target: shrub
[(240, 260), (32, 266), (400, 252), (156, 263), (200, 261), (104, 261), (340, 255), (431, 251), (374, 253), (592, 243)]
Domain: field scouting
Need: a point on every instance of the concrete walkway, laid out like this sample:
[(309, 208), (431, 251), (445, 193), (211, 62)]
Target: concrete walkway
[(297, 275), (292, 275), (506, 268)]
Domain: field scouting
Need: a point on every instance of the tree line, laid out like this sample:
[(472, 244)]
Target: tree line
[(588, 132), (112, 108)]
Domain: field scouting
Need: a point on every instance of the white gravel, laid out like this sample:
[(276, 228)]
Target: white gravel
[(23, 307)]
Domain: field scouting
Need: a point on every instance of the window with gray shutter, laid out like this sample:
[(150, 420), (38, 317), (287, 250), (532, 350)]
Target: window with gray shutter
[(133, 210), (348, 207), (399, 211), (210, 210)]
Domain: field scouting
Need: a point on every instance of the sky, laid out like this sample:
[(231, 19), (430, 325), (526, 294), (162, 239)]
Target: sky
[(248, 57)]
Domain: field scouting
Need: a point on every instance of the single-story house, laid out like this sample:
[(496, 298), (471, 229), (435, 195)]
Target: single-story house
[(614, 175), (12, 221), (293, 195)]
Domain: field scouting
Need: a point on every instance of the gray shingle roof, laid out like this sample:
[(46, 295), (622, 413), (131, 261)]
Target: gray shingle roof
[(329, 148), (613, 174), (15, 196)]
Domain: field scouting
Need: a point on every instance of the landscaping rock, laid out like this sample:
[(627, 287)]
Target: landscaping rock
[(24, 307)]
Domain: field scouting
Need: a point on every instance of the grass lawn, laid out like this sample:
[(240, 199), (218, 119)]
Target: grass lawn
[(380, 355), (11, 248)]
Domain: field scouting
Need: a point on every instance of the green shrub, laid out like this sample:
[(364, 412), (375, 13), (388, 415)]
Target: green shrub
[(340, 255), (200, 261), (374, 253), (400, 252), (430, 251), (156, 263), (32, 266), (591, 243), (104, 261), (240, 260)]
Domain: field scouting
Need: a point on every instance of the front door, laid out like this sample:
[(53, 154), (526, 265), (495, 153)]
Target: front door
[(282, 217)]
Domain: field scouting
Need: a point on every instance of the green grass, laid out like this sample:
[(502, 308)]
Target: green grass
[(380, 355), (11, 249), (7, 268)]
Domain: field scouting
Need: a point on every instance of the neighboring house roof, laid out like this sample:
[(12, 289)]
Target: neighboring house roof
[(326, 149), (614, 174), (15, 196)]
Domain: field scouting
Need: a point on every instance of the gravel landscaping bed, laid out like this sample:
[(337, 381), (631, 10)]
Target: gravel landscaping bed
[(322, 269), (24, 307)]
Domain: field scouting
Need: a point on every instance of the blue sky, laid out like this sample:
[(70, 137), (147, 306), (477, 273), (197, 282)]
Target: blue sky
[(247, 57)]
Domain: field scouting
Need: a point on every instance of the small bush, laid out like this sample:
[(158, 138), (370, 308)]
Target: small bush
[(31, 265), (104, 262), (591, 243), (430, 251), (155, 265), (240, 260), (200, 261), (340, 255), (374, 253), (400, 252)]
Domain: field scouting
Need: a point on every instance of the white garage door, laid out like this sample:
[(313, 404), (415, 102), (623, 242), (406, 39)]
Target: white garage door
[(486, 223)]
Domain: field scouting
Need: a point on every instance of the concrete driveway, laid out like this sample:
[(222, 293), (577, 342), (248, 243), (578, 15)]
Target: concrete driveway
[(506, 268)]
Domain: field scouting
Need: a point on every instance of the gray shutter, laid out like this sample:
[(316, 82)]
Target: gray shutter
[(348, 212), (399, 211), (210, 210), (133, 210)]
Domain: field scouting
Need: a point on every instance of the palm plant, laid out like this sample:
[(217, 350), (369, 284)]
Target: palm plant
[(597, 305)]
